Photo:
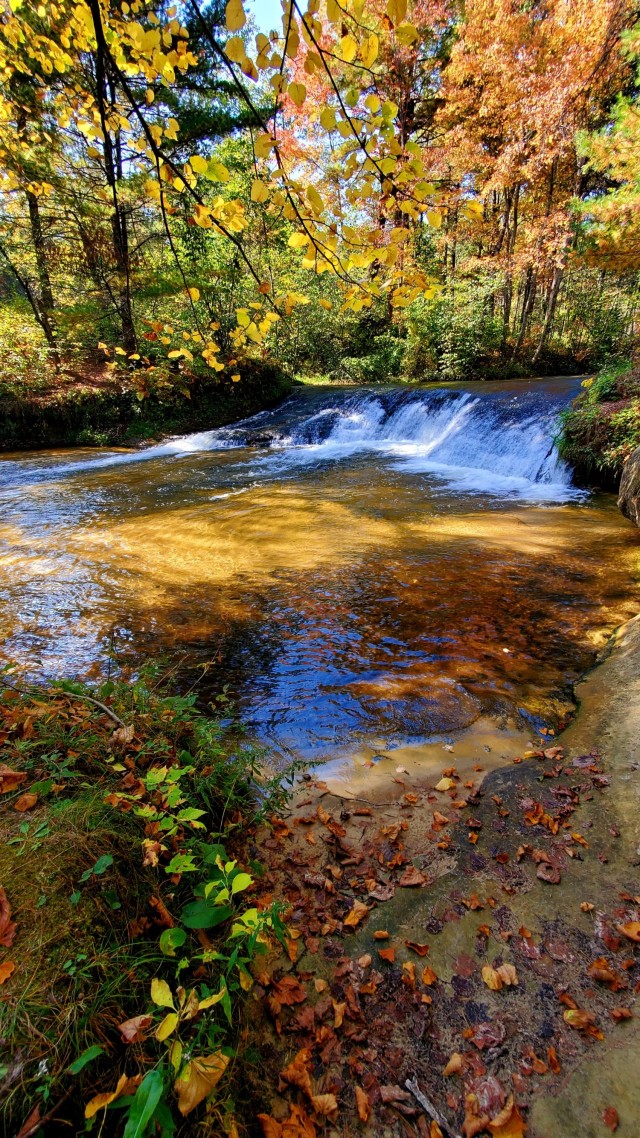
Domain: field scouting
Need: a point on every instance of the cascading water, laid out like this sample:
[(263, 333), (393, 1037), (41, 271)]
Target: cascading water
[(497, 441)]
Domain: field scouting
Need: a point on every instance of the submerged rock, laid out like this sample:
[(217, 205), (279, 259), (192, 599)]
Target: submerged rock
[(629, 494), (260, 439)]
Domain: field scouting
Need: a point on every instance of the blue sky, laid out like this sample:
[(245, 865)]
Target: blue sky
[(268, 14)]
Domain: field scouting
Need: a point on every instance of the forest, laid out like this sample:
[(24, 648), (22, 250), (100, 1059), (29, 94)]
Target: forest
[(319, 696)]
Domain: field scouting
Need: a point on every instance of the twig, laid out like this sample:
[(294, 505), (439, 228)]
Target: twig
[(71, 694), (354, 798), (40, 1122), (429, 1108)]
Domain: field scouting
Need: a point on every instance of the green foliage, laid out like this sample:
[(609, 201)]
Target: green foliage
[(152, 812), (603, 427)]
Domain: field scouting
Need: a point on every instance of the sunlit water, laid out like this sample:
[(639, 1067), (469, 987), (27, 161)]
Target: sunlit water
[(400, 567)]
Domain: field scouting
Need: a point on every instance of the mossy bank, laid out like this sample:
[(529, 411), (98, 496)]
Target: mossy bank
[(97, 408)]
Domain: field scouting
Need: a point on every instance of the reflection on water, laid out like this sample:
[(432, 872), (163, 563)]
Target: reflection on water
[(352, 605)]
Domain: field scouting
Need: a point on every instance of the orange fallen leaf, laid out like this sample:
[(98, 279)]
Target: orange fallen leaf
[(508, 975), (630, 930), (25, 802), (298, 1072), (381, 934), (578, 1019), (9, 779), (491, 978), (509, 1123), (6, 970), (363, 1104), (428, 976), (454, 1066), (356, 914), (553, 1061), (420, 949), (388, 954), (297, 1125), (338, 1013)]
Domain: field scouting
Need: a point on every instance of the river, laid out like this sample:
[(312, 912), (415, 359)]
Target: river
[(403, 573)]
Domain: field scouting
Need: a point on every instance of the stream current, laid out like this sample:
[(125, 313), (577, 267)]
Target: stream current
[(401, 570)]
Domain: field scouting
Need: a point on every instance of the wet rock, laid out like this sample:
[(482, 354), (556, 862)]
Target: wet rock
[(260, 439), (629, 493)]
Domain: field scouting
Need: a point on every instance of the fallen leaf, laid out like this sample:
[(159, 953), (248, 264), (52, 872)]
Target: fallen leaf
[(122, 736), (363, 1104), (325, 1104), (356, 914), (630, 930), (492, 978), (445, 784), (586, 906), (105, 1098), (29, 1124), (9, 779), (508, 975), (289, 991), (7, 926), (509, 1123), (338, 1013), (297, 1125), (553, 1061), (610, 1118), (388, 954), (198, 1079), (420, 949), (578, 1019), (412, 876), (298, 1072), (549, 873), (25, 802), (381, 934), (454, 1066), (6, 969), (133, 1030), (320, 985), (428, 976)]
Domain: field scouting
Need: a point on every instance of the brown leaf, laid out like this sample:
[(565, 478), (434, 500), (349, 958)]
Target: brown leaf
[(474, 1122), (7, 968), (325, 1105), (508, 975), (363, 1104), (388, 954), (122, 736), (578, 1019), (549, 873), (356, 914), (152, 851), (7, 926), (198, 1079), (428, 976), (412, 876), (25, 802), (610, 1118), (509, 1123), (9, 779), (298, 1073), (381, 934), (29, 1124), (289, 991), (133, 1030)]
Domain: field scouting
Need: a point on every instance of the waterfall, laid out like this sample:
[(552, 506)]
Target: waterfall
[(494, 438)]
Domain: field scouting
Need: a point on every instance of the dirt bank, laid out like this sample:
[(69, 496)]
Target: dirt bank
[(477, 938)]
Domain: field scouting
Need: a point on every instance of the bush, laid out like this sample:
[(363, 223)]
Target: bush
[(602, 428)]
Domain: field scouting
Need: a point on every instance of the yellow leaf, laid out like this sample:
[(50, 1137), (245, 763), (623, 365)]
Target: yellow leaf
[(369, 50), (235, 49), (120, 352), (347, 49), (217, 171), (328, 118), (199, 164), (234, 15), (396, 11), (491, 978), (297, 93), (407, 34), (198, 1079), (194, 293), (263, 145), (314, 199), (298, 240), (167, 1027), (160, 990), (211, 1000), (105, 1098), (434, 218), (259, 192), (325, 304)]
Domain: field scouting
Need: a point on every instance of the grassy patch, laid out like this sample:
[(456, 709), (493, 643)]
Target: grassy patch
[(121, 867)]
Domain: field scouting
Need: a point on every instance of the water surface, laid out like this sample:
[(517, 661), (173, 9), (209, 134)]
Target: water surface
[(403, 569)]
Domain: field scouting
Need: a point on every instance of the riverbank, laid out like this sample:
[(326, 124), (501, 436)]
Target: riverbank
[(457, 952), (97, 407)]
